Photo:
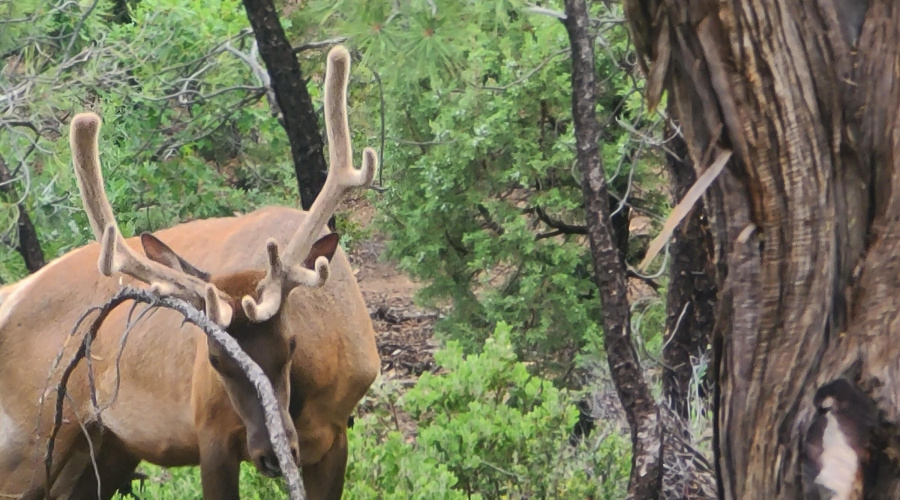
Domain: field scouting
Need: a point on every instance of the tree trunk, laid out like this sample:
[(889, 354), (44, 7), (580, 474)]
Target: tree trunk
[(691, 294), (609, 271), (298, 115), (29, 246), (806, 229)]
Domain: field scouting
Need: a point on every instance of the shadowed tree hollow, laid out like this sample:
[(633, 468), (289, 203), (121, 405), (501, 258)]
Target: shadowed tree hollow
[(806, 230)]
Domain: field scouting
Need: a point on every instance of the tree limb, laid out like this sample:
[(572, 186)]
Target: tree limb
[(559, 225), (321, 44), (29, 245), (609, 269)]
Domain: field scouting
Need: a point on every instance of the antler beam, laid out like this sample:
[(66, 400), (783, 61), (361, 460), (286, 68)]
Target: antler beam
[(286, 272), (115, 254)]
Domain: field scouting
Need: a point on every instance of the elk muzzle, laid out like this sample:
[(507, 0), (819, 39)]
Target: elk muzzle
[(261, 451)]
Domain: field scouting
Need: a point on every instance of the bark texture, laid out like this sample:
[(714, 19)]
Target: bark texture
[(805, 218), (298, 114), (29, 246), (609, 270)]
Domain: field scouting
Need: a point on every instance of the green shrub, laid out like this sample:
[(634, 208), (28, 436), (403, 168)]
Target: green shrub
[(486, 429), (183, 483)]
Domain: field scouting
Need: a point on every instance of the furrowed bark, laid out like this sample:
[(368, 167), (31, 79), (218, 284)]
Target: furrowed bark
[(298, 114), (609, 271), (805, 218)]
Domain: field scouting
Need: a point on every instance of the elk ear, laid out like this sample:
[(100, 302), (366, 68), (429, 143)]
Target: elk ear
[(158, 251), (326, 246)]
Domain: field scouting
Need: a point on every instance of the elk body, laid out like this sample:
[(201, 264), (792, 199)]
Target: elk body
[(274, 279)]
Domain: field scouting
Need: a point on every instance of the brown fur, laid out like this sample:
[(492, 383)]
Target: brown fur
[(168, 405)]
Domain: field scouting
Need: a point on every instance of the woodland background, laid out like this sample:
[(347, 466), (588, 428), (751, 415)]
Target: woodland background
[(472, 250)]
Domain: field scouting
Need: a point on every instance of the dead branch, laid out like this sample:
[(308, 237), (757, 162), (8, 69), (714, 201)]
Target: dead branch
[(319, 44), (558, 225), (260, 73), (274, 424)]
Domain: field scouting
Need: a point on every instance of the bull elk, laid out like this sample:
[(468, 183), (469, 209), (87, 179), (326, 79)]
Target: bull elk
[(274, 279)]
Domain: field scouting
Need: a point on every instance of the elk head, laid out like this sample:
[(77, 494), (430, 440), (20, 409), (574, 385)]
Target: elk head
[(246, 304)]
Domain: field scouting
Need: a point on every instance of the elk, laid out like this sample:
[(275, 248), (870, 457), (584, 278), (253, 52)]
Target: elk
[(167, 395)]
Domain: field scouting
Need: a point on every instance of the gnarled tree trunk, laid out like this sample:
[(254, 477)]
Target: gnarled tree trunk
[(806, 228)]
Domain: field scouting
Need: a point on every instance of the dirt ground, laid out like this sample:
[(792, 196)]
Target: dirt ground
[(404, 330)]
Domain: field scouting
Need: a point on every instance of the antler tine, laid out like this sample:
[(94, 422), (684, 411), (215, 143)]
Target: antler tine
[(287, 272), (115, 254)]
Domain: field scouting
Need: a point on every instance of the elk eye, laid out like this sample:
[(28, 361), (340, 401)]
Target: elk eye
[(214, 361), (293, 344)]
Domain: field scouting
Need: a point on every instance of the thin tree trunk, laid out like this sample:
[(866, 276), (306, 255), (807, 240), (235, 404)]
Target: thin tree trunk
[(691, 294), (29, 245), (806, 227), (609, 271), (298, 114)]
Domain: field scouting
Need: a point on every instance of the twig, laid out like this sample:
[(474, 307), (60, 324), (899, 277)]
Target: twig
[(274, 423), (320, 44), (529, 74)]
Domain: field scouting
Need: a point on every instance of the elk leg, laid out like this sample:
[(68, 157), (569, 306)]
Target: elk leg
[(116, 467), (324, 480), (70, 457), (219, 470)]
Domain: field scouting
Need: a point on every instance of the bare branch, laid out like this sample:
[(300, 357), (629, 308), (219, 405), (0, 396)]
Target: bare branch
[(262, 76), (546, 12), (274, 424), (530, 73), (558, 225), (320, 44)]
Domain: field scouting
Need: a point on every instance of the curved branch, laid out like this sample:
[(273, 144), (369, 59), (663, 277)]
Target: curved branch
[(558, 225), (257, 377)]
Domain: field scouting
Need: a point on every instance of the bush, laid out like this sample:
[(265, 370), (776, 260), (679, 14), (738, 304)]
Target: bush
[(486, 429)]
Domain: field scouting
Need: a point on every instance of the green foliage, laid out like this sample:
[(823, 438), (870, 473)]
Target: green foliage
[(479, 159), (187, 133), (184, 483), (486, 429)]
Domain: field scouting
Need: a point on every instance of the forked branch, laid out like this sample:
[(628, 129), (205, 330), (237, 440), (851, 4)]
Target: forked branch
[(274, 423)]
